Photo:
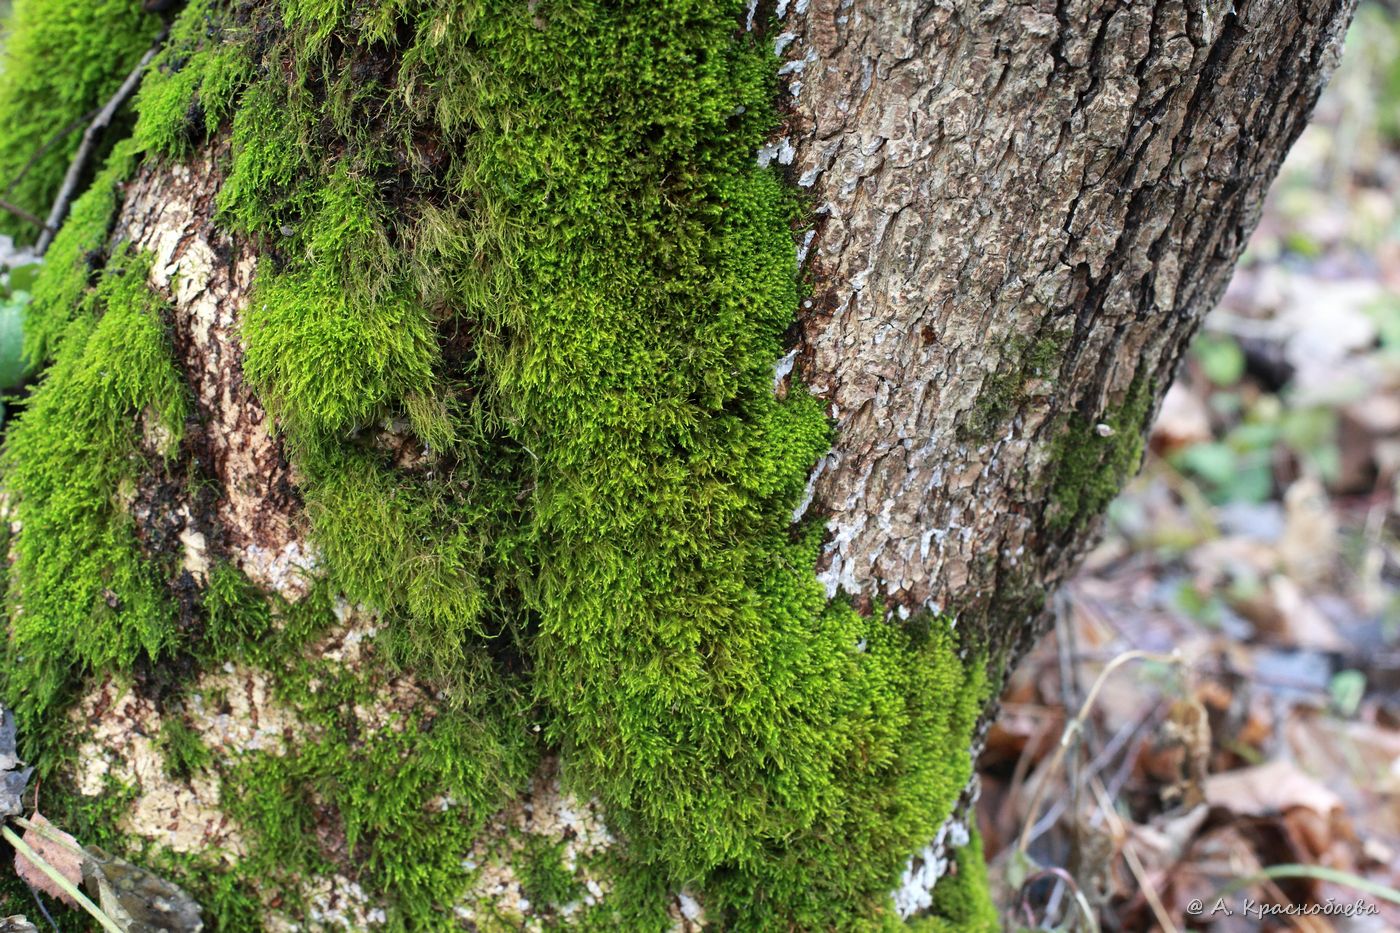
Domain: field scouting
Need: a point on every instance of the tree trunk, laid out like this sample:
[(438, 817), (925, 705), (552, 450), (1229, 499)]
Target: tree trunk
[(410, 526)]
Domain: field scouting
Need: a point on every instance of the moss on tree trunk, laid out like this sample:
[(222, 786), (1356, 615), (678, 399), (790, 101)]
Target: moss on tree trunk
[(410, 527)]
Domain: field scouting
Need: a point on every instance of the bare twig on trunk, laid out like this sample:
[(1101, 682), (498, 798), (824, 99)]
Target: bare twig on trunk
[(21, 213), (90, 137)]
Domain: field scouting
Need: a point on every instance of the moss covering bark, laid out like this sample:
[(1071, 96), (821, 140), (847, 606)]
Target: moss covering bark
[(535, 239), (81, 596)]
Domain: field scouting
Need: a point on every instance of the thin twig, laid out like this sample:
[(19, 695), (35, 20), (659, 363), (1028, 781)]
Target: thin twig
[(48, 144), (1100, 761), (20, 212), (1130, 856), (57, 878), (1072, 729), (89, 143)]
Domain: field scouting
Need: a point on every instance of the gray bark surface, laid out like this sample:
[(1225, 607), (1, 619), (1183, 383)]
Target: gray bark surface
[(993, 178)]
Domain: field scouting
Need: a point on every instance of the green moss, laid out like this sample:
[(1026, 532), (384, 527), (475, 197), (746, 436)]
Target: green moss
[(638, 897), (334, 343), (1003, 391), (62, 61), (544, 879), (89, 600), (227, 897), (74, 258), (961, 900), (267, 180), (1091, 466), (193, 82), (409, 547), (904, 763), (183, 750), (236, 615)]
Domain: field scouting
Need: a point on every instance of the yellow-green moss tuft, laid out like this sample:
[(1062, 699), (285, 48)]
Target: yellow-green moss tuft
[(89, 599), (75, 258), (62, 61), (193, 82)]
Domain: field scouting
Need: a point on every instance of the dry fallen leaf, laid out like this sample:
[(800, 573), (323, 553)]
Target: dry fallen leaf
[(1269, 789), (1285, 616), (1183, 420), (68, 862), (13, 778), (138, 900)]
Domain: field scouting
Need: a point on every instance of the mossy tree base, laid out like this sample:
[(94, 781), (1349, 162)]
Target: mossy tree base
[(424, 519)]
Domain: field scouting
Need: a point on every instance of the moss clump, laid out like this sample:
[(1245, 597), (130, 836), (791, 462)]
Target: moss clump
[(544, 878), (89, 599), (522, 289), (962, 900), (183, 750), (75, 258), (62, 61), (903, 763), (193, 82), (1091, 465), (236, 616), (638, 897)]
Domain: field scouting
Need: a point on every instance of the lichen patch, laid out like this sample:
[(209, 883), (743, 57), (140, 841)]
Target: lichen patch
[(234, 712), (544, 811), (207, 276), (120, 746)]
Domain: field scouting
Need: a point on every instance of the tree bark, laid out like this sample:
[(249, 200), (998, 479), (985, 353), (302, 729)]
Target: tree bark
[(1022, 211)]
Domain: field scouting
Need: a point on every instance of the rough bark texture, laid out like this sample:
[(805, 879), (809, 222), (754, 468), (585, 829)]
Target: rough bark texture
[(255, 522), (1026, 207), (1024, 210)]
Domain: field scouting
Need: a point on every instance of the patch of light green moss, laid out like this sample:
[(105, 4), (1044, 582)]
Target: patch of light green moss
[(62, 61), (89, 600), (544, 878)]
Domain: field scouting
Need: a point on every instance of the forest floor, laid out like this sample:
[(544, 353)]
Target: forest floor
[(1246, 595)]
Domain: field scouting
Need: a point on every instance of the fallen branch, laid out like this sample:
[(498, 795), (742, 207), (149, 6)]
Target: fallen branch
[(89, 144)]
